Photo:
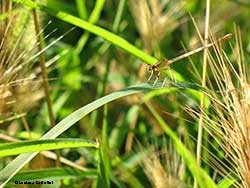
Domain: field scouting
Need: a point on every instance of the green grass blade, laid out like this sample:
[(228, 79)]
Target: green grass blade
[(82, 10), (158, 92), (53, 174), (15, 148), (14, 166), (103, 177), (202, 177), (118, 15), (62, 5), (104, 150), (192, 89), (93, 18), (226, 183), (105, 34)]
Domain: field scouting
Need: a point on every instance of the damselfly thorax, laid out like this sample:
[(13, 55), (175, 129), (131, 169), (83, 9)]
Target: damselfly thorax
[(164, 63)]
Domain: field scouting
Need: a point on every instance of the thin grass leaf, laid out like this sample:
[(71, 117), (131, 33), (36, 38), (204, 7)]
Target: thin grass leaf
[(93, 18), (103, 176), (18, 163), (118, 15), (82, 10), (226, 183), (104, 149), (107, 35), (103, 179), (15, 148)]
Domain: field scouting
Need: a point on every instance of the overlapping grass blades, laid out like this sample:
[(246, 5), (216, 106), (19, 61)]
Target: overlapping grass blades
[(18, 163)]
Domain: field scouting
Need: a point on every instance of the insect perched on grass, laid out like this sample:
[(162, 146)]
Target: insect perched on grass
[(164, 63)]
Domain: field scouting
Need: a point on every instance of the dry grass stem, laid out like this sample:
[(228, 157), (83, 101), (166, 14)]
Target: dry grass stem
[(204, 75)]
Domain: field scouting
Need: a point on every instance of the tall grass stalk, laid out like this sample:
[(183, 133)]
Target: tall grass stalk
[(45, 77), (204, 74), (13, 66)]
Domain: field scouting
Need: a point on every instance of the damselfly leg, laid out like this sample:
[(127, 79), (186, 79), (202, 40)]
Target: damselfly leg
[(157, 77), (151, 72), (154, 69)]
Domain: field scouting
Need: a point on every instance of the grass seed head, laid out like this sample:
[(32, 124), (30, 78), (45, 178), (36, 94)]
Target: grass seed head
[(230, 98), (164, 168), (18, 88)]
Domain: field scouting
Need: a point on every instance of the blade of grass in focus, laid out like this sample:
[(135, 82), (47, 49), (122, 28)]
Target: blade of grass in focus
[(15, 148), (226, 183), (82, 10)]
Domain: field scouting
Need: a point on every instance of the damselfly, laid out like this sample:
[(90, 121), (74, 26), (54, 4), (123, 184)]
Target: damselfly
[(164, 63)]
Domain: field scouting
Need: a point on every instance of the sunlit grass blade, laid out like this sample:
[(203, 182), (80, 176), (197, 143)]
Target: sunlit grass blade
[(226, 183), (15, 148), (82, 10), (53, 174), (107, 35), (93, 18), (14, 166), (202, 177)]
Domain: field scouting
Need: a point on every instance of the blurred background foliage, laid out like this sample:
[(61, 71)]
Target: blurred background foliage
[(88, 67)]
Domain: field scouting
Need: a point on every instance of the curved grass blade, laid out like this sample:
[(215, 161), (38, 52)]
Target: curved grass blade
[(158, 92), (19, 162), (192, 89), (53, 174), (105, 34), (15, 148)]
